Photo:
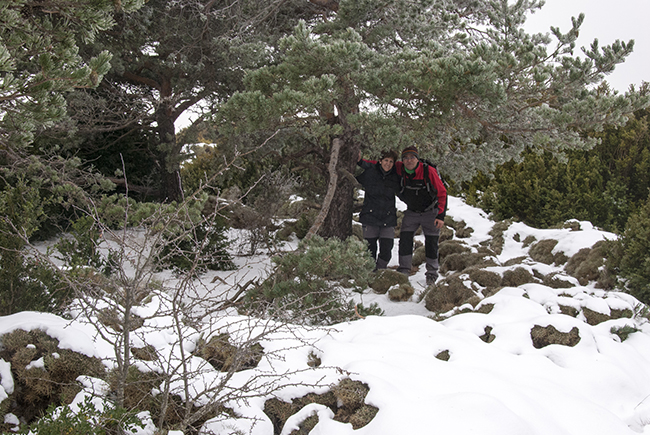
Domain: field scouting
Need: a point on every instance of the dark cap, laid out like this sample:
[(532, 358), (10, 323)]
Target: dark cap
[(410, 150)]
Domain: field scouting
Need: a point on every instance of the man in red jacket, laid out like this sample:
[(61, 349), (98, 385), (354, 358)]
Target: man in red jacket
[(425, 197)]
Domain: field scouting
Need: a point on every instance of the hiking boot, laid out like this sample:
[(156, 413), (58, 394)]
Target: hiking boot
[(431, 280)]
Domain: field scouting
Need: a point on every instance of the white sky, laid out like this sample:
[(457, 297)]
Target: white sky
[(606, 20)]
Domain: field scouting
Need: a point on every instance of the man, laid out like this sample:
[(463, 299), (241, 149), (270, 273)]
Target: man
[(426, 205)]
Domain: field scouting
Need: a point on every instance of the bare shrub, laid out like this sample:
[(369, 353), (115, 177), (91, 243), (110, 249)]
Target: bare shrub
[(256, 210)]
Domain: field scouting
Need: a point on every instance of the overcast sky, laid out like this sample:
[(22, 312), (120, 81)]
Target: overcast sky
[(607, 20)]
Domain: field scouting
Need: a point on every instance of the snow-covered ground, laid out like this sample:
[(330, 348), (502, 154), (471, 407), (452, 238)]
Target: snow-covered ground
[(507, 386)]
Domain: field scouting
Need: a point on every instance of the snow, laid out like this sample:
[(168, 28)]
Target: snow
[(507, 386)]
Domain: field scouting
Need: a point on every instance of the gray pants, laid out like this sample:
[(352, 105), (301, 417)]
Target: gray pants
[(383, 235), (411, 222)]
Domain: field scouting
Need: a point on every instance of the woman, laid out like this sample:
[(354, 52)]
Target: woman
[(378, 214)]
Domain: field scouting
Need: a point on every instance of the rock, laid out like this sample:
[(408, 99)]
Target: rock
[(543, 336)]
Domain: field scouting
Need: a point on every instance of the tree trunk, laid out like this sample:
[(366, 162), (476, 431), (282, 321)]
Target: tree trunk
[(169, 151), (338, 222)]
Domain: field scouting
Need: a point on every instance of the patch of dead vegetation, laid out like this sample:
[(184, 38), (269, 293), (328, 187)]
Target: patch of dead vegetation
[(485, 278), (542, 252), (587, 265), (497, 240), (556, 281), (346, 400), (516, 277), (384, 279), (447, 294), (43, 373), (224, 356), (401, 293), (463, 260), (449, 247), (543, 336)]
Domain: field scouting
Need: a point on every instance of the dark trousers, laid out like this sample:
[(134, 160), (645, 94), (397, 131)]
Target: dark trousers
[(385, 237), (410, 223)]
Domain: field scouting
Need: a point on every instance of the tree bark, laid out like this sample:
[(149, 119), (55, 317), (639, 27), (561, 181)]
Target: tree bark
[(168, 149), (338, 222), (331, 189)]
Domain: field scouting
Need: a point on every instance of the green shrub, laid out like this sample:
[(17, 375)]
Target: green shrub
[(203, 248), (25, 284), (80, 248), (635, 259), (305, 284), (88, 420), (623, 332), (603, 185)]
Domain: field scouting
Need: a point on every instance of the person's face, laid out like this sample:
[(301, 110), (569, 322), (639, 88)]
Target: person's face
[(410, 161), (387, 164)]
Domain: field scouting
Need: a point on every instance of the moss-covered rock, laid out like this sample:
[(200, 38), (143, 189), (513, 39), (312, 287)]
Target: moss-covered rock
[(384, 279), (224, 356), (542, 252), (346, 400), (401, 293), (487, 336), (443, 355), (447, 294), (461, 261), (543, 336), (53, 380), (517, 277)]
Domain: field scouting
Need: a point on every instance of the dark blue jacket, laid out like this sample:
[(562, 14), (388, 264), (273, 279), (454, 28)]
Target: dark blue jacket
[(379, 201)]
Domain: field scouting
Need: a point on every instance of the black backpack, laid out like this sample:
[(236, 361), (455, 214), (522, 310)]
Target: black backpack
[(427, 180)]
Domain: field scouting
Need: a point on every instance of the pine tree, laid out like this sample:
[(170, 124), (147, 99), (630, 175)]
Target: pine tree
[(171, 55), (40, 61), (461, 79), (635, 261)]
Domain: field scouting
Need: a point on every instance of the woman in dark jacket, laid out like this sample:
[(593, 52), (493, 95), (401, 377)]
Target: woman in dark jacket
[(378, 214)]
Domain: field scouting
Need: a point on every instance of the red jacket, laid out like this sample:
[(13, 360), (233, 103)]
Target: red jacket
[(415, 193)]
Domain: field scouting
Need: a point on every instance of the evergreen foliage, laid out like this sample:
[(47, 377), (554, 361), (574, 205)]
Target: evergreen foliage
[(635, 249), (462, 80), (170, 55), (25, 284), (40, 61), (603, 186), (304, 284), (86, 420)]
